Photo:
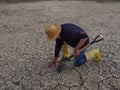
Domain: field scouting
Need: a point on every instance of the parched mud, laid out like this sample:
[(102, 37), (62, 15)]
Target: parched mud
[(25, 51)]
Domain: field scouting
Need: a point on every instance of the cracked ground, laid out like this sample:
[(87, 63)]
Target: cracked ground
[(25, 51)]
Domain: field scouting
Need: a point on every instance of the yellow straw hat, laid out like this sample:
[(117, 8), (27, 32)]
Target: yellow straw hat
[(52, 31)]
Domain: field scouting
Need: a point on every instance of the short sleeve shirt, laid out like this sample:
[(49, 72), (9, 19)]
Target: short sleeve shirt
[(70, 34)]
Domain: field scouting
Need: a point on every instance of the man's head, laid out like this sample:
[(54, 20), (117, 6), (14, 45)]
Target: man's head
[(52, 31)]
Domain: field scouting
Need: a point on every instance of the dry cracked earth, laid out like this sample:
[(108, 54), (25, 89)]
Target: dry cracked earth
[(25, 51)]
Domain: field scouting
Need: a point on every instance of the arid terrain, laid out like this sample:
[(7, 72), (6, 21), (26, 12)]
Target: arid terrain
[(25, 51)]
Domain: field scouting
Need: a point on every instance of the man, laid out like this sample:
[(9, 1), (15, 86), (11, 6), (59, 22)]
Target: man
[(74, 36)]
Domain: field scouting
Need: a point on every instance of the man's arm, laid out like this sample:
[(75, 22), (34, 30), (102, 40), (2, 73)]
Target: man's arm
[(79, 45), (58, 46)]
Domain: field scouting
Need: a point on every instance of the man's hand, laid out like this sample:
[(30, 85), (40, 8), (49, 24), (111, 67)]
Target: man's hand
[(78, 46), (76, 52), (53, 63)]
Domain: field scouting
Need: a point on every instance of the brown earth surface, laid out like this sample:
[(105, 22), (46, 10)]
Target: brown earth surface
[(25, 51)]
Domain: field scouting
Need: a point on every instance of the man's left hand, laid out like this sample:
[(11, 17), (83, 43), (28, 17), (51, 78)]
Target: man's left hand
[(53, 63)]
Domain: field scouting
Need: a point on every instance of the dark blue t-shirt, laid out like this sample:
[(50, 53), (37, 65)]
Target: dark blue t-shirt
[(70, 34)]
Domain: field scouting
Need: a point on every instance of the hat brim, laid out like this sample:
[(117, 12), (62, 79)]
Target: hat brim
[(58, 30)]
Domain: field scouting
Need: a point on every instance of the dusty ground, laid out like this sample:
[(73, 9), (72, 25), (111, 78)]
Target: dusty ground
[(25, 52)]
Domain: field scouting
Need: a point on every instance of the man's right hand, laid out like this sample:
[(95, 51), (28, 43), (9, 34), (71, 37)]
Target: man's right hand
[(76, 52)]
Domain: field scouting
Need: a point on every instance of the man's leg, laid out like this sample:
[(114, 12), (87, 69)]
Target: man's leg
[(93, 54), (65, 50), (80, 59), (62, 60)]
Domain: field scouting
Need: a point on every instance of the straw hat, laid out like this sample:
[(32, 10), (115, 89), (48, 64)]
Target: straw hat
[(52, 31)]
